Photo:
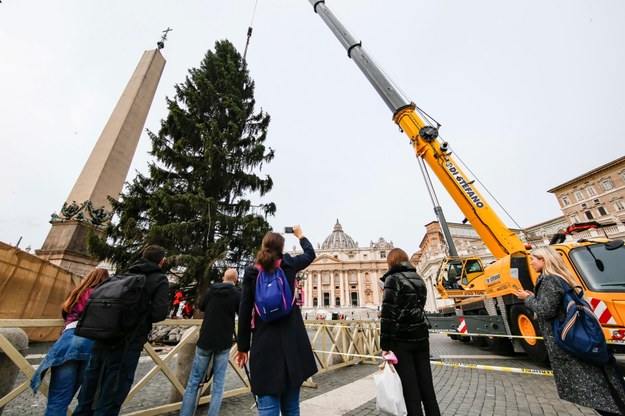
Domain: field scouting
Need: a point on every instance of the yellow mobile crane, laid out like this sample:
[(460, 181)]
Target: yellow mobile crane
[(483, 296)]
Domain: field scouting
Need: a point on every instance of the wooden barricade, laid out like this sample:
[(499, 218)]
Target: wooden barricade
[(335, 344)]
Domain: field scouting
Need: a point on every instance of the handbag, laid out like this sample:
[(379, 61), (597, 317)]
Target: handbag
[(389, 395)]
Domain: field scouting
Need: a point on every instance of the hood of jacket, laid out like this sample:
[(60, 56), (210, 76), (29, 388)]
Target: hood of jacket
[(223, 289), (144, 266), (398, 268)]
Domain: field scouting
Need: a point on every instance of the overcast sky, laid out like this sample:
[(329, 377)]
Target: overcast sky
[(529, 95)]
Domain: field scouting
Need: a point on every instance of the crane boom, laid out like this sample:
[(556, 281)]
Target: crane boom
[(499, 239)]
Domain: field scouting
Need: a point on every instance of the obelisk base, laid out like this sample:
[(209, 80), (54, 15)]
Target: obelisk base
[(66, 246)]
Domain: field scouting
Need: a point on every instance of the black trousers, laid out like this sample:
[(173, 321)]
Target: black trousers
[(413, 367)]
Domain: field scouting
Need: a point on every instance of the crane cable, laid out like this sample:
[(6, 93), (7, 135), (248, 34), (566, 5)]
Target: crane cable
[(521, 230), (249, 32)]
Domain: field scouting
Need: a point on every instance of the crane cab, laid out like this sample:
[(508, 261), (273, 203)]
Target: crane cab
[(457, 273)]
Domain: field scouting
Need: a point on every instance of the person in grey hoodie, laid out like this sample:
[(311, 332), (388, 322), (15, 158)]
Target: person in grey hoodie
[(219, 304)]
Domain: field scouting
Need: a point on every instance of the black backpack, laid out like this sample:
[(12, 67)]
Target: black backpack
[(115, 308)]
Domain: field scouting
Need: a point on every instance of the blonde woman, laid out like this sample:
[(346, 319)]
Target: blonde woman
[(68, 356), (577, 382)]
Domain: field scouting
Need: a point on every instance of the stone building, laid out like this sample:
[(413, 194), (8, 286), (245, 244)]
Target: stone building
[(345, 276), (540, 234), (597, 195)]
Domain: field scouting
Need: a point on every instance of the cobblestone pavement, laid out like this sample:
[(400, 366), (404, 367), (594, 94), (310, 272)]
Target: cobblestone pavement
[(460, 391)]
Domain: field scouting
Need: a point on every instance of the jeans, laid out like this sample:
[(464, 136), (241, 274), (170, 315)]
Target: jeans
[(67, 348), (413, 367), (65, 380), (200, 365), (272, 405), (108, 378)]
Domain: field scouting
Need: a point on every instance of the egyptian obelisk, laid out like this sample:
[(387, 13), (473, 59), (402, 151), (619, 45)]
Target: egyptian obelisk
[(87, 206)]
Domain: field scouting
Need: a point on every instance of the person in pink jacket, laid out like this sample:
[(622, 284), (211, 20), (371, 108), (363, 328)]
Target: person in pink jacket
[(68, 357)]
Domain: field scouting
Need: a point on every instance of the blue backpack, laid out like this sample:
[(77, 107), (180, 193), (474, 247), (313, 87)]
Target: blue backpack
[(273, 298), (580, 333)]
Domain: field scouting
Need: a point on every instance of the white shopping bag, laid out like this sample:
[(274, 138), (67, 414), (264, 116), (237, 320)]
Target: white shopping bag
[(389, 396)]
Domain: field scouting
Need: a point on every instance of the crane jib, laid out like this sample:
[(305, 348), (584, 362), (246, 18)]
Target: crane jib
[(471, 194)]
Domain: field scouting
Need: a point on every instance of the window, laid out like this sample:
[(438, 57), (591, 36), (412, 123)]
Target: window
[(315, 302), (566, 201), (382, 254), (589, 215), (574, 219), (602, 211), (623, 176), (584, 206), (619, 205), (365, 256), (607, 184), (353, 278), (337, 301), (578, 195), (591, 191), (326, 299), (315, 279), (596, 201), (326, 278)]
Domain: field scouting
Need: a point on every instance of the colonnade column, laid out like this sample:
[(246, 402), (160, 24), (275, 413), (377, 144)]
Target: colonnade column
[(319, 292), (361, 289), (342, 287), (309, 291), (376, 289)]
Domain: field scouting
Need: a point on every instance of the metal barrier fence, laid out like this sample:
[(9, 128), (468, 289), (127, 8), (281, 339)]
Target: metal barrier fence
[(335, 344)]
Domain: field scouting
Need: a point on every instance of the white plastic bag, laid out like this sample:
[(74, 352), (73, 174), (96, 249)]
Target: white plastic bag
[(388, 392)]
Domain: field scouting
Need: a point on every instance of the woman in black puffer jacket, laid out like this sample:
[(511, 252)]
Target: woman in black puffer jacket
[(404, 331)]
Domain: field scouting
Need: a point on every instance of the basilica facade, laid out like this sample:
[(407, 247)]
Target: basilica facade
[(345, 276)]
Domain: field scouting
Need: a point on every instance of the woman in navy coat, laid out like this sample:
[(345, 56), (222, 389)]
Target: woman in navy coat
[(280, 357)]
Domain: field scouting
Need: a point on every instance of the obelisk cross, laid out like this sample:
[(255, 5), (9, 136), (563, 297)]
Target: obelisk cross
[(161, 43)]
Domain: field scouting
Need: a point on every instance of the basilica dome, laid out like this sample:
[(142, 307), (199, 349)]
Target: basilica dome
[(338, 239)]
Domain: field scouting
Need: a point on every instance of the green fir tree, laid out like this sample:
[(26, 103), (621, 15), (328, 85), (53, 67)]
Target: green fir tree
[(195, 201)]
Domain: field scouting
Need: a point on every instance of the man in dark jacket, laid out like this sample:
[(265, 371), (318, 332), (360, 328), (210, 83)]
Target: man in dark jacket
[(112, 365), (219, 304)]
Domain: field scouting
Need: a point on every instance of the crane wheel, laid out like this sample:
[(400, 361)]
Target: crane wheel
[(523, 323)]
